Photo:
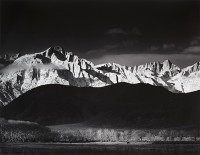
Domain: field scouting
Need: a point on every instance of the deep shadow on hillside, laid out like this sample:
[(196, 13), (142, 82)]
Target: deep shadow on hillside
[(120, 105)]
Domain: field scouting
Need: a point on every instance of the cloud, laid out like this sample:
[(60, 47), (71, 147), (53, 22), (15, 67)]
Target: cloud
[(154, 48), (133, 46), (194, 42), (116, 31), (129, 43), (14, 68), (192, 50), (168, 46), (97, 51), (135, 31), (110, 48), (120, 47)]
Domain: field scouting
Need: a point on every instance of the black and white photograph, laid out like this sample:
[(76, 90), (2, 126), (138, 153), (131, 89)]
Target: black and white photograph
[(99, 77)]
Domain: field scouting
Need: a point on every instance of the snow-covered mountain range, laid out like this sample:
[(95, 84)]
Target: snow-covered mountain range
[(56, 66)]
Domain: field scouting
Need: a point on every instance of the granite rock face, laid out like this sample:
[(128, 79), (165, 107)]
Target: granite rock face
[(56, 66)]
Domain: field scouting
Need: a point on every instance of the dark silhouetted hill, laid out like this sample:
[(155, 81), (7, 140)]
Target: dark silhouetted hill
[(119, 105)]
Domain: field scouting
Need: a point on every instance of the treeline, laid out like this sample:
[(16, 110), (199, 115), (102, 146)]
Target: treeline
[(19, 131), (25, 132), (113, 135)]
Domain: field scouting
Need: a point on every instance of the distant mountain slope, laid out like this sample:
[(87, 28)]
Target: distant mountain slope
[(120, 105), (188, 80), (56, 66)]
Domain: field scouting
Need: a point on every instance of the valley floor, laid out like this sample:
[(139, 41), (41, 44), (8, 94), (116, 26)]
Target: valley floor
[(97, 148)]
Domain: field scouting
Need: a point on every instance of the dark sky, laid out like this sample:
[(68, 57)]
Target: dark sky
[(96, 28)]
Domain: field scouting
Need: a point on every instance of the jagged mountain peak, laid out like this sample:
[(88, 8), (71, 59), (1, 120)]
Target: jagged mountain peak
[(170, 64), (59, 49), (167, 62), (159, 65), (113, 68), (54, 50), (55, 55), (57, 66), (188, 79), (165, 68), (110, 65), (191, 69), (60, 54)]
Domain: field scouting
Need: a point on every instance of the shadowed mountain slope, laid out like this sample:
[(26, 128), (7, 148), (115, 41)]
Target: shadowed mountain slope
[(120, 105)]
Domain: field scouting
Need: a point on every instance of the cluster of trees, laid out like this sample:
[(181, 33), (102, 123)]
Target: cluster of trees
[(23, 132), (115, 135), (19, 131)]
